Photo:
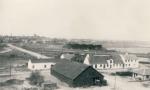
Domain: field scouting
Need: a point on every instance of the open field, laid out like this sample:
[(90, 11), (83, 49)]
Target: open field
[(15, 58), (132, 50), (121, 83), (45, 49), (34, 54)]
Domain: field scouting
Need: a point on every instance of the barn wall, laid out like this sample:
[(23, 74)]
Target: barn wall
[(61, 77), (86, 78)]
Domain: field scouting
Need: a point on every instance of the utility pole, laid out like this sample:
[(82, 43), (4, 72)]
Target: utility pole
[(115, 82), (10, 70)]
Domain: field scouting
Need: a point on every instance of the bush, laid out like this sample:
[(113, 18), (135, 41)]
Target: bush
[(104, 83), (36, 79)]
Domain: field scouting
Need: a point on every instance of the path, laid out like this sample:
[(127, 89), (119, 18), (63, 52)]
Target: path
[(123, 83), (6, 50), (37, 55)]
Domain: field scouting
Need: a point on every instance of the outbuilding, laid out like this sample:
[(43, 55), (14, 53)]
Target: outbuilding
[(141, 74), (77, 74), (41, 64)]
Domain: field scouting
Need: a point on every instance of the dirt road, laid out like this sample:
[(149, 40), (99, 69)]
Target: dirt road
[(37, 55)]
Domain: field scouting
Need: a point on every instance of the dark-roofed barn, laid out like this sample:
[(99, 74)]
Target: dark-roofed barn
[(77, 74)]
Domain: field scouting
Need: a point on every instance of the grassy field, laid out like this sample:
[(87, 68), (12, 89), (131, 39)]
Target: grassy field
[(45, 49)]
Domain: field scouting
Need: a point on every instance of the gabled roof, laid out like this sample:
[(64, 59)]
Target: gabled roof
[(102, 59), (130, 57), (142, 71), (117, 59), (45, 60), (99, 59), (69, 69)]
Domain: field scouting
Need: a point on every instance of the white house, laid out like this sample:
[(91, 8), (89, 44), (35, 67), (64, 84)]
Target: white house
[(130, 60), (115, 61), (41, 64)]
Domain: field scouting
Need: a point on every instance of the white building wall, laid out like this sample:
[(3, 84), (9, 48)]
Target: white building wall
[(39, 66), (131, 62), (62, 56), (86, 60)]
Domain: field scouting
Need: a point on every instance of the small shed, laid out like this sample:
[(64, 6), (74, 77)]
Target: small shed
[(76, 74), (141, 74)]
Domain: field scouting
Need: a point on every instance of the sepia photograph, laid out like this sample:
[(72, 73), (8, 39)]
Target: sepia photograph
[(74, 44)]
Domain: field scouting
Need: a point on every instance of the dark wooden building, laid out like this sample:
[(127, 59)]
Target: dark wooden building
[(76, 74)]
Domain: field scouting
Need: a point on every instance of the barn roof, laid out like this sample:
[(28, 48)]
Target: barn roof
[(45, 60), (69, 69)]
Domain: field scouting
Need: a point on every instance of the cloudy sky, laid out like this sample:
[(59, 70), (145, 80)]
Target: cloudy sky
[(94, 19)]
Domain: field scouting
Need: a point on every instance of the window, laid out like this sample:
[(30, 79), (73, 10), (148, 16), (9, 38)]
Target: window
[(129, 64), (110, 61), (104, 66), (45, 66), (95, 65), (33, 66), (147, 76)]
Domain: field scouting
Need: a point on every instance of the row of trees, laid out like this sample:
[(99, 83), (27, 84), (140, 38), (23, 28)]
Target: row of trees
[(84, 46)]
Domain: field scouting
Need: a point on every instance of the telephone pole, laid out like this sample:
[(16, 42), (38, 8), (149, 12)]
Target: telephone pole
[(10, 70)]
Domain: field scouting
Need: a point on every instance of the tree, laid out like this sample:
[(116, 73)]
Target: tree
[(36, 78), (78, 58)]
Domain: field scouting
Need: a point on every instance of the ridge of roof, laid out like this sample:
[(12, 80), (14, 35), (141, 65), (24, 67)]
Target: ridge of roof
[(45, 60), (70, 69)]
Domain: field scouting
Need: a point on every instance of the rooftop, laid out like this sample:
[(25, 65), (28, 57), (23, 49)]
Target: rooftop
[(117, 59), (70, 69), (95, 59), (102, 59), (45, 60)]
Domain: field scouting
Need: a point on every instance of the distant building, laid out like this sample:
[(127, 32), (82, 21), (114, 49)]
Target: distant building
[(116, 61), (41, 64), (141, 74), (76, 74), (67, 56), (130, 60)]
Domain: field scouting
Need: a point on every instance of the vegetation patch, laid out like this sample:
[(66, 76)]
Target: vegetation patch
[(36, 78), (83, 46), (12, 82), (2, 46), (127, 73)]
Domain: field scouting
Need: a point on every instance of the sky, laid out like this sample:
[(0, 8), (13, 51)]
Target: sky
[(86, 19)]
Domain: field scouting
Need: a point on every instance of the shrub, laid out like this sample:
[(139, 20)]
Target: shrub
[(12, 82), (36, 79), (104, 83)]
